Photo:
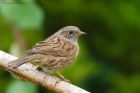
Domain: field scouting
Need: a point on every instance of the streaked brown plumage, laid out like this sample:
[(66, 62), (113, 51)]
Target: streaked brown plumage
[(55, 52)]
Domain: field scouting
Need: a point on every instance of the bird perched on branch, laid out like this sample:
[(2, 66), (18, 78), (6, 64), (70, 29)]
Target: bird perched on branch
[(54, 53)]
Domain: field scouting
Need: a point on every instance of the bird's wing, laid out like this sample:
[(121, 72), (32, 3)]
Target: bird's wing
[(54, 46)]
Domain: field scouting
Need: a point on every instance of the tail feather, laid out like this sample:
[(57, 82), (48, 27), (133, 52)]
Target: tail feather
[(18, 62)]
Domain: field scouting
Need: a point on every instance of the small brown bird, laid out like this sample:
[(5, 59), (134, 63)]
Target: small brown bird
[(54, 53)]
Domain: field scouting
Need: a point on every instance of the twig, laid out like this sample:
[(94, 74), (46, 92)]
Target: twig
[(29, 72)]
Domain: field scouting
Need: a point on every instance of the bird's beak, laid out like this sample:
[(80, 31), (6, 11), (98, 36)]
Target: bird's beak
[(81, 33)]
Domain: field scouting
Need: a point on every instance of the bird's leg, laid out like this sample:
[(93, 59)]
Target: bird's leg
[(38, 68), (62, 77), (35, 63)]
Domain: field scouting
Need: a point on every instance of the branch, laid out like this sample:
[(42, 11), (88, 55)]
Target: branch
[(29, 72)]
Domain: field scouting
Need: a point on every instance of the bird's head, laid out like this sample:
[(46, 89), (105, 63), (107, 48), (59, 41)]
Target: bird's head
[(70, 32)]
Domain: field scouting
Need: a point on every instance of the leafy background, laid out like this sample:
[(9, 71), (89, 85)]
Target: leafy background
[(109, 59)]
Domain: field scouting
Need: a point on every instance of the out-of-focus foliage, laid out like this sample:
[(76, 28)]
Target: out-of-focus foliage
[(21, 87), (109, 59), (25, 15)]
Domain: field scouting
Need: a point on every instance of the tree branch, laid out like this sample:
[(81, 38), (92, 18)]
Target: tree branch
[(28, 72)]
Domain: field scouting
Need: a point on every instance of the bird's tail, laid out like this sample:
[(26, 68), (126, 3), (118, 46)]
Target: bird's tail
[(18, 62)]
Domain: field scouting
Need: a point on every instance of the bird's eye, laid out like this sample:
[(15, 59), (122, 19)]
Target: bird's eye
[(70, 32)]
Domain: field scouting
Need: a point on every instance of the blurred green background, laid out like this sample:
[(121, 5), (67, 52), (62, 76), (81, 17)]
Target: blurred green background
[(109, 59)]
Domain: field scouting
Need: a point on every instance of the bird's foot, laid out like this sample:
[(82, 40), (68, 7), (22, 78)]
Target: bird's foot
[(38, 68), (61, 78), (64, 79)]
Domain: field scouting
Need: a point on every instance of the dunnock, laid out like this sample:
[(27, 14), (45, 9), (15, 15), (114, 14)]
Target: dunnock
[(54, 53)]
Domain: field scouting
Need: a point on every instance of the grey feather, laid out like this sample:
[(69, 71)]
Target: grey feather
[(16, 63)]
